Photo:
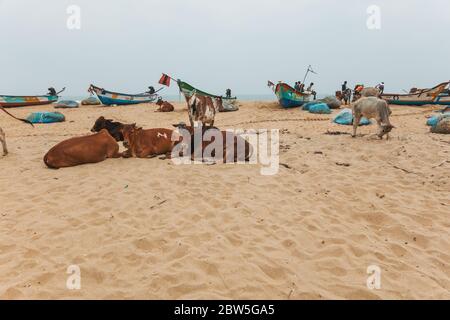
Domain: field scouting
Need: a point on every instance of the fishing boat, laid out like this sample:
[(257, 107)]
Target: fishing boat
[(115, 98), (229, 104), (438, 95), (288, 97), (7, 101)]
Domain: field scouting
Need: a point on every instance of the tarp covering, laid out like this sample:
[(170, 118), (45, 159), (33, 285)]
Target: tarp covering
[(90, 101), (345, 117), (66, 104), (433, 120), (321, 108), (443, 126), (46, 117)]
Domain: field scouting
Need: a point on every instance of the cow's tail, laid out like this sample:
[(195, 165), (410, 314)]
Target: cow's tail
[(20, 119)]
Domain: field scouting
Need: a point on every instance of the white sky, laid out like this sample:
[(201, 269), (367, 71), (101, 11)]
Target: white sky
[(125, 45)]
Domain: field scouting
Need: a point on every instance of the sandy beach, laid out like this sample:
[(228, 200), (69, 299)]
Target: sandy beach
[(149, 229)]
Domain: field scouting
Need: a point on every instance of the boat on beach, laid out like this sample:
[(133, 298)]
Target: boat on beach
[(288, 97), (438, 95), (110, 97), (8, 101), (229, 104)]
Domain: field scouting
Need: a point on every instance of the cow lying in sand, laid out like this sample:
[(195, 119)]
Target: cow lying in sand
[(203, 108), (80, 150), (147, 143), (2, 133), (373, 108), (164, 106), (114, 128), (241, 149)]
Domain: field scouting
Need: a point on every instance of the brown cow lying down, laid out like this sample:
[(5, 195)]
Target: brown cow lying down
[(114, 128), (142, 143), (164, 106), (80, 150), (228, 155)]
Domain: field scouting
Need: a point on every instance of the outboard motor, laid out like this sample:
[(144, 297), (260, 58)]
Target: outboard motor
[(52, 92)]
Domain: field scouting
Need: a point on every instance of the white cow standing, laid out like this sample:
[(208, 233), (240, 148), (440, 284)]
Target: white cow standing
[(373, 108)]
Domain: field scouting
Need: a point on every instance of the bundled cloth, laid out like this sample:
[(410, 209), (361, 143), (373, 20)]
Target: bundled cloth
[(443, 126), (345, 117), (66, 104), (321, 108), (46, 117), (91, 101), (307, 105), (433, 120)]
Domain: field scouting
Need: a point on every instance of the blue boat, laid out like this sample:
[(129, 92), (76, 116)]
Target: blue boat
[(288, 97), (115, 98)]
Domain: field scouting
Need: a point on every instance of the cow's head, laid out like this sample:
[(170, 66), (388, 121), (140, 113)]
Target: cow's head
[(159, 102), (101, 123), (128, 131), (385, 129)]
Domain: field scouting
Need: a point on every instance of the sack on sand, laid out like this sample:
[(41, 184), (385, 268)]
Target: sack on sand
[(91, 101), (46, 117), (345, 117), (66, 104), (433, 120), (443, 126), (320, 108), (332, 102)]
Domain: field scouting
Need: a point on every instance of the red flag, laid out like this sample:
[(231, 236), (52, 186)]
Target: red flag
[(165, 80)]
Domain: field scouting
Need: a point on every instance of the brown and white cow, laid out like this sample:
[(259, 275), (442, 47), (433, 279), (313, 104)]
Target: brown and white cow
[(146, 143), (203, 108), (234, 147), (164, 106), (81, 150)]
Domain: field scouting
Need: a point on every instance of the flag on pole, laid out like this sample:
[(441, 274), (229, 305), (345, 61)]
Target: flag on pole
[(165, 80), (270, 83)]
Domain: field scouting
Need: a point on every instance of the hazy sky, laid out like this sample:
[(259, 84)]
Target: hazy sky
[(124, 45)]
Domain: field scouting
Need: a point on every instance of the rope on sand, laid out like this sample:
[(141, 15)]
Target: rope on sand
[(280, 120)]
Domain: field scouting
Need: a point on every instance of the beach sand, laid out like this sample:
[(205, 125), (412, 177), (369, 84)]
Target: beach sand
[(149, 229)]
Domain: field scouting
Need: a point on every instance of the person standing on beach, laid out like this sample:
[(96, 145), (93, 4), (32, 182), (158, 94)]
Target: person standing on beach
[(344, 87), (380, 87), (310, 89)]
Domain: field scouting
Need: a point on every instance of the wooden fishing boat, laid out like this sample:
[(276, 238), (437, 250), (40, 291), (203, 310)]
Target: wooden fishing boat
[(110, 98), (229, 104), (438, 95), (288, 97), (7, 101)]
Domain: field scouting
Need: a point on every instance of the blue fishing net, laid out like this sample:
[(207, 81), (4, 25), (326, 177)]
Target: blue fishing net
[(345, 117), (433, 120), (46, 117), (320, 108)]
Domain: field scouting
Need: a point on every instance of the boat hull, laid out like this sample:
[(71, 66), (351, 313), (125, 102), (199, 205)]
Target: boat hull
[(26, 101), (229, 104), (115, 98), (433, 96), (288, 97)]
